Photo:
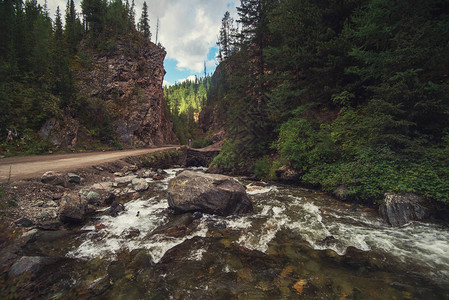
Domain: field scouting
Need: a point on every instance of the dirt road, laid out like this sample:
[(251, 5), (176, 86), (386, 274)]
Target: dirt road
[(35, 166)]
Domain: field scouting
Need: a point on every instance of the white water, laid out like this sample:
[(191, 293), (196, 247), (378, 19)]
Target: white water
[(276, 209)]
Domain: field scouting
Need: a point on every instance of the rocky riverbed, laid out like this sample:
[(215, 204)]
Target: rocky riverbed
[(122, 241)]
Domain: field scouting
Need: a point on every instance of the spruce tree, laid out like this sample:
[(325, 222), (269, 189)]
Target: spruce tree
[(226, 37), (144, 26)]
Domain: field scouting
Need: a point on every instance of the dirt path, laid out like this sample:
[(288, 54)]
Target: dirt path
[(35, 166)]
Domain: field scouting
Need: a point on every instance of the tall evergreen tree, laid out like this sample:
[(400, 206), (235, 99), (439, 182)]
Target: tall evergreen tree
[(144, 25), (226, 37)]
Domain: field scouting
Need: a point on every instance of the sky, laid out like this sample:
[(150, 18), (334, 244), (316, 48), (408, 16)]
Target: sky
[(188, 29)]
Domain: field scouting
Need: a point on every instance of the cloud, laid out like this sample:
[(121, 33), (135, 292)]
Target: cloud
[(190, 78), (166, 83), (188, 29)]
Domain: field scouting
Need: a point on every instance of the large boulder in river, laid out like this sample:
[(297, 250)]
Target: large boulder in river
[(400, 209), (208, 193)]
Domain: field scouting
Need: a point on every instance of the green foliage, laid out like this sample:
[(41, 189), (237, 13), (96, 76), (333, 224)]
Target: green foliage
[(201, 143), (353, 92), (227, 159), (262, 168), (185, 101)]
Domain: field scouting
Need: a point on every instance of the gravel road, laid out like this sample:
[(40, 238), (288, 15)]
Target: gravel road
[(34, 166)]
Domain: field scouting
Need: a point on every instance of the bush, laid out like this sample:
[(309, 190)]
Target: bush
[(262, 168), (201, 143)]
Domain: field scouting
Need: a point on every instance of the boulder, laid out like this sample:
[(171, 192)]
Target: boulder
[(54, 178), (72, 208), (208, 193), (400, 209), (73, 178), (30, 264), (288, 174), (341, 193), (125, 179), (116, 208), (139, 184)]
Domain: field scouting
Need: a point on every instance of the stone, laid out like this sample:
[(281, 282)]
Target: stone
[(73, 178), (341, 193), (125, 179), (30, 264), (62, 132), (93, 197), (158, 176), (288, 174), (208, 193), (139, 184), (102, 186), (54, 178), (72, 209), (400, 209), (24, 222), (116, 208)]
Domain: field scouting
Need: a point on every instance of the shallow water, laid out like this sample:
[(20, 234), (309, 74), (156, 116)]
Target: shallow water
[(298, 244)]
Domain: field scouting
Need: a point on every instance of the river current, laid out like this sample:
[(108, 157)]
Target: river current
[(299, 243)]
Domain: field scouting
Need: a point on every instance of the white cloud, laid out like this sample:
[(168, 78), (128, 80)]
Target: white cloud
[(190, 78), (166, 83), (188, 28)]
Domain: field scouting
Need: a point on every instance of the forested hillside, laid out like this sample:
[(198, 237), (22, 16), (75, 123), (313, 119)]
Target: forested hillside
[(185, 101), (346, 93), (43, 63)]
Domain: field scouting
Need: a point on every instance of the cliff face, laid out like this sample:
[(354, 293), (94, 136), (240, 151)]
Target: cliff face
[(128, 76)]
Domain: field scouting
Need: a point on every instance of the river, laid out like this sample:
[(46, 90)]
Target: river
[(299, 244)]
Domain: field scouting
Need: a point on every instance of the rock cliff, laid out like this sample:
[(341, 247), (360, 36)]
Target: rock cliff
[(124, 78), (128, 76)]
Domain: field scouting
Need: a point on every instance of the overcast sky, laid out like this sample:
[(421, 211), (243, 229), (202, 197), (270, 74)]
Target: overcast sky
[(188, 30)]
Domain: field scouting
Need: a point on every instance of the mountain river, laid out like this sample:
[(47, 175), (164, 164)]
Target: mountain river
[(299, 244)]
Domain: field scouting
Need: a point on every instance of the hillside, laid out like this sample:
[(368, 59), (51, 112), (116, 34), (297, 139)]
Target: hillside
[(76, 86), (348, 97)]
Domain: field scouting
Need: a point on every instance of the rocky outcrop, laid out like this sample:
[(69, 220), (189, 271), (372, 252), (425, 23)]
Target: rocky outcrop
[(125, 79), (400, 209), (208, 193), (62, 133)]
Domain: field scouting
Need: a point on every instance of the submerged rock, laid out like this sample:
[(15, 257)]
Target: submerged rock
[(400, 209), (208, 193)]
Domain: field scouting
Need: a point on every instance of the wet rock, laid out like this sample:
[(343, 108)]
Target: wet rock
[(54, 178), (93, 197), (341, 193), (72, 208), (178, 227), (131, 233), (116, 208), (49, 225), (24, 222), (139, 184), (158, 176), (99, 226), (73, 178), (125, 179), (30, 264), (287, 174), (214, 169), (400, 209), (208, 193)]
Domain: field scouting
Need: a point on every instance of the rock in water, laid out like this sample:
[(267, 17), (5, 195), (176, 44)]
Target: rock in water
[(400, 209), (208, 193)]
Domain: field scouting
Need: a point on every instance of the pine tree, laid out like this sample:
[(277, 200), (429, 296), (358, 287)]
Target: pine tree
[(144, 26), (226, 37)]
